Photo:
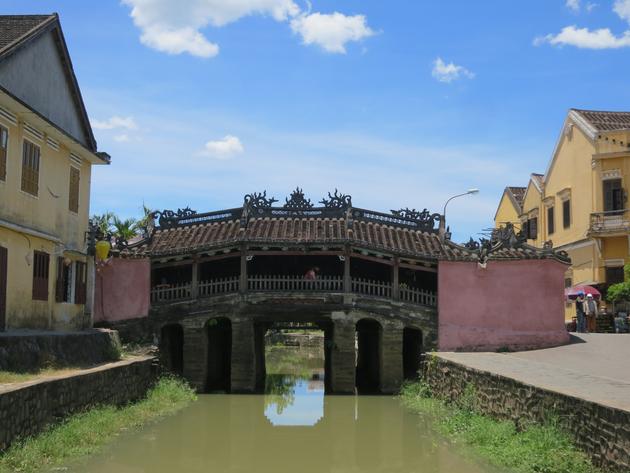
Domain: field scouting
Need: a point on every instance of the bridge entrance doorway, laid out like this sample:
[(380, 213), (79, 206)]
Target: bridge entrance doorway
[(412, 352), (172, 348), (284, 341), (219, 333), (368, 356)]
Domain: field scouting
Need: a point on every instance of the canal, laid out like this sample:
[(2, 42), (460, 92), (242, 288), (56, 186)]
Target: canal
[(291, 428)]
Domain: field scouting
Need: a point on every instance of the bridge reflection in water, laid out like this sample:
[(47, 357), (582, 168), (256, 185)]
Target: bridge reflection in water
[(249, 433)]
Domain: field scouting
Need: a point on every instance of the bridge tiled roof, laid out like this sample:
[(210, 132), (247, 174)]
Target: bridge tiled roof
[(399, 241), (295, 231), (406, 232)]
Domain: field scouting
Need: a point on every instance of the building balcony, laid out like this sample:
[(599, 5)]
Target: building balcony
[(609, 223)]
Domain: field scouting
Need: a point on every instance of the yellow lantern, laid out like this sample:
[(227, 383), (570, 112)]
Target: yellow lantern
[(102, 250)]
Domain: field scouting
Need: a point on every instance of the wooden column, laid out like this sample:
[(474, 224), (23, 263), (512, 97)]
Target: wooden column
[(243, 280), (395, 279), (347, 281), (194, 286)]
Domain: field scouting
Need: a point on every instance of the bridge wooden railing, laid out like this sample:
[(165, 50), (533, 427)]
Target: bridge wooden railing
[(417, 296), (295, 284), (213, 287), (372, 288), (171, 292), (227, 285)]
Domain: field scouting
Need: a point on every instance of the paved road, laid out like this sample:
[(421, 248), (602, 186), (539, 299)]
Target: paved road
[(594, 366)]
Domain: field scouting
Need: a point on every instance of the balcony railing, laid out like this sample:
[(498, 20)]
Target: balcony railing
[(612, 221), (184, 291)]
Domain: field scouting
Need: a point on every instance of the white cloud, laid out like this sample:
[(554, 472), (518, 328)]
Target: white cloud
[(449, 72), (622, 8), (602, 38), (331, 31), (175, 27), (224, 148), (573, 5), (591, 6), (115, 122), (124, 138)]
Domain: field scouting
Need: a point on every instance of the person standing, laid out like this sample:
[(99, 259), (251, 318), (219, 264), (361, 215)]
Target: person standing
[(579, 311), (590, 309)]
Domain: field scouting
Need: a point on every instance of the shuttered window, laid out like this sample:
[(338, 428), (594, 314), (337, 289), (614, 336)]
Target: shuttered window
[(566, 213), (80, 292), (75, 177), (30, 168), (41, 265), (613, 195), (3, 287), (532, 228), (4, 143), (551, 224), (614, 275)]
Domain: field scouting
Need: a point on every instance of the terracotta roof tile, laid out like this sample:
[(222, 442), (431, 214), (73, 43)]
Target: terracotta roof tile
[(606, 121)]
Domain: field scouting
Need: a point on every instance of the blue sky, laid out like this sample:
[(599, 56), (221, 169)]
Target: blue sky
[(398, 103)]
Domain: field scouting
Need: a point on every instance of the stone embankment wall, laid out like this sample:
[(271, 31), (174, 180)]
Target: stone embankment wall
[(29, 351), (27, 408), (602, 432)]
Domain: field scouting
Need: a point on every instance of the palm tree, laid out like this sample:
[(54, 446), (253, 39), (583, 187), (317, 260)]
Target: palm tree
[(146, 221), (103, 221), (124, 229)]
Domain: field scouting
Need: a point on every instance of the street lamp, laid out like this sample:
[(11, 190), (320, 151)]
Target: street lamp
[(443, 220)]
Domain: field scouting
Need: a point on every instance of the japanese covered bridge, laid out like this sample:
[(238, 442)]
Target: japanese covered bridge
[(369, 280)]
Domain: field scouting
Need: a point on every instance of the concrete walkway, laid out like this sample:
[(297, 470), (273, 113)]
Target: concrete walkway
[(594, 367)]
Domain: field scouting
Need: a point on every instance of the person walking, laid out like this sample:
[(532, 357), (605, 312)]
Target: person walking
[(590, 309), (579, 311)]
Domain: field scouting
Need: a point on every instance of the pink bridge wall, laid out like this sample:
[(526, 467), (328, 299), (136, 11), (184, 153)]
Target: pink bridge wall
[(514, 304), (122, 290)]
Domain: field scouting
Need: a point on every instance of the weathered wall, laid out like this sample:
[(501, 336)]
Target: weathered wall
[(27, 409), (508, 304), (122, 290), (24, 351), (602, 432), (36, 75)]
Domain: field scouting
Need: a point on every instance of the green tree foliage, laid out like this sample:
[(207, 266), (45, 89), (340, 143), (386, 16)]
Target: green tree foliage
[(621, 291), (126, 229)]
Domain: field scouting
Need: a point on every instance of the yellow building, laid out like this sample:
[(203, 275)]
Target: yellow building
[(579, 205), (47, 150)]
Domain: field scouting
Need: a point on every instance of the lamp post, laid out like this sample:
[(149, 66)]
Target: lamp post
[(443, 220)]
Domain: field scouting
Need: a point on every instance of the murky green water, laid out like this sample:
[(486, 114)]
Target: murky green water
[(294, 428)]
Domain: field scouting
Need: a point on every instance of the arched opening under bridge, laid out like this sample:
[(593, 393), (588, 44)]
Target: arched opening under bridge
[(172, 348), (219, 333), (412, 352), (368, 356)]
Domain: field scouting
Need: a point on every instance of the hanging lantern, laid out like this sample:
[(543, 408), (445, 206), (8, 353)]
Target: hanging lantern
[(102, 250)]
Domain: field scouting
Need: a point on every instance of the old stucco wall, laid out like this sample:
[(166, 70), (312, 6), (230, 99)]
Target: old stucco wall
[(122, 290), (45, 402), (508, 304)]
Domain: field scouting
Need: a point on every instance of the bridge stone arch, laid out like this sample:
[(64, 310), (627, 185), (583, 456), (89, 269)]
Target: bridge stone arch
[(369, 339), (171, 346)]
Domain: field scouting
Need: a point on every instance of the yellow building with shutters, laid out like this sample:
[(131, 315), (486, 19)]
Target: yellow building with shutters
[(580, 203), (47, 150)]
